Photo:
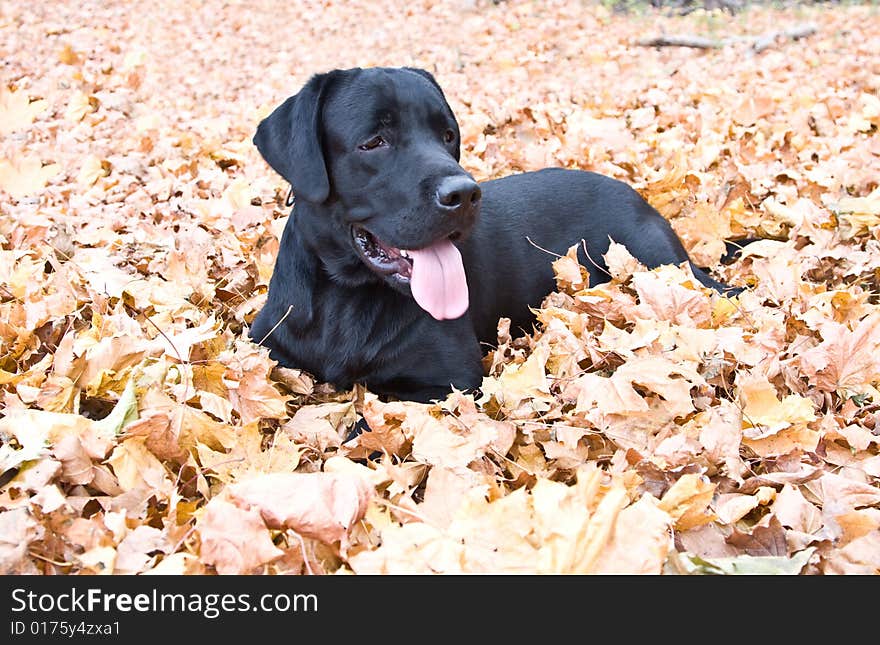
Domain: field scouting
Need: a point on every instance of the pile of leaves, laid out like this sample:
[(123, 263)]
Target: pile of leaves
[(645, 425)]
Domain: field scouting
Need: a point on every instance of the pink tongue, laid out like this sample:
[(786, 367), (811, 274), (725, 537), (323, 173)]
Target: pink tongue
[(438, 282)]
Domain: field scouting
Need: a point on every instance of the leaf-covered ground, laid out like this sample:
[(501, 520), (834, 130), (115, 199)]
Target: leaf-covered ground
[(647, 425)]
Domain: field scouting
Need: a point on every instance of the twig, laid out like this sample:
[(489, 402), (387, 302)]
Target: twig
[(541, 248), (36, 555), (283, 318), (595, 264), (305, 555)]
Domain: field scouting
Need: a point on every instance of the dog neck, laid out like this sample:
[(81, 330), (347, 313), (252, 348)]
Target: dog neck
[(312, 263), (317, 229)]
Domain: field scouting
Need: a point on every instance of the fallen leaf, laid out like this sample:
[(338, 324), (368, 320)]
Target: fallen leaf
[(17, 110), (743, 564), (688, 500), (763, 413), (234, 540), (319, 505), (25, 175), (17, 530)]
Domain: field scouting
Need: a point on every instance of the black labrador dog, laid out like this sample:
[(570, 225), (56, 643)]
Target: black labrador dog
[(395, 265)]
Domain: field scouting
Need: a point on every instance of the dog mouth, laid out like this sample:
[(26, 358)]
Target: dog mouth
[(434, 273), (382, 258)]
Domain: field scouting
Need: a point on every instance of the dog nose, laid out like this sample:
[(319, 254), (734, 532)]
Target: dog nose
[(458, 193)]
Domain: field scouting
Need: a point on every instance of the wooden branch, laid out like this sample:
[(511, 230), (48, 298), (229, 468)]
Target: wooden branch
[(770, 40), (758, 43), (686, 40)]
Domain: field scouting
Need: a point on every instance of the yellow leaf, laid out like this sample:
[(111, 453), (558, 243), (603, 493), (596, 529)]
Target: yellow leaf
[(639, 542), (871, 107), (570, 275), (860, 213), (239, 194), (449, 444), (859, 557), (248, 456), (557, 528), (78, 106), (250, 388), (703, 233), (32, 440), (67, 56), (621, 263), (137, 468), (17, 110), (92, 170), (517, 383), (687, 501), (325, 424), (763, 413), (668, 293), (781, 213), (571, 536), (176, 564), (722, 310), (99, 560), (784, 441), (793, 510), (22, 176), (732, 507)]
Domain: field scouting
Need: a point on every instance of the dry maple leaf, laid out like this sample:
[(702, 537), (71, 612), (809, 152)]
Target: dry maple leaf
[(25, 175), (139, 549), (17, 530), (92, 170), (668, 293), (687, 501), (732, 507), (482, 537), (639, 542), (621, 264), (251, 391), (524, 382), (765, 540), (846, 360), (861, 214), (445, 491), (557, 528), (325, 425), (137, 468), (763, 413), (319, 505), (247, 455), (570, 275), (17, 110), (841, 495), (234, 540), (859, 557), (78, 106), (793, 510)]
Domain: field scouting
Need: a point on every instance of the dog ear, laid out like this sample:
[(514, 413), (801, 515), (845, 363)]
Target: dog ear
[(426, 74), (290, 141)]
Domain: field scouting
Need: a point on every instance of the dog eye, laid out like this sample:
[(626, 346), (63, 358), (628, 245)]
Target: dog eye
[(372, 144), (449, 136)]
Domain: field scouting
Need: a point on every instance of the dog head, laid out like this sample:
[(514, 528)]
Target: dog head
[(384, 144)]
